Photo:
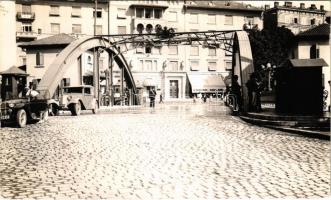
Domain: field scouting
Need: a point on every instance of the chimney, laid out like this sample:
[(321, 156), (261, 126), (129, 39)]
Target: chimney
[(288, 4), (313, 6), (302, 5), (322, 8), (276, 4), (266, 7)]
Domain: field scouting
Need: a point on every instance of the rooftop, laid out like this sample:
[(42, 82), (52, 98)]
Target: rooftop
[(222, 5), (321, 31), (56, 40)]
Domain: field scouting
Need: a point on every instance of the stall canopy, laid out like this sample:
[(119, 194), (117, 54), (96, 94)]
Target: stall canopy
[(206, 83)]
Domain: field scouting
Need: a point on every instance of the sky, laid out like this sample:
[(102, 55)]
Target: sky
[(326, 4)]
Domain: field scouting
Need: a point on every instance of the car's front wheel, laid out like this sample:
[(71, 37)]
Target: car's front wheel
[(75, 109), (21, 118)]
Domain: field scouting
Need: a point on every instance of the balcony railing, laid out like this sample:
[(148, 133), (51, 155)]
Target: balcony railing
[(26, 16), (31, 35)]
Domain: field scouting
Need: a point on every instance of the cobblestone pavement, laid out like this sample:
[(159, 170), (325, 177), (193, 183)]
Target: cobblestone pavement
[(172, 152)]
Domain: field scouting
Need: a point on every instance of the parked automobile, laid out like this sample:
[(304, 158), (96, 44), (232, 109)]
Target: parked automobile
[(18, 103), (77, 98)]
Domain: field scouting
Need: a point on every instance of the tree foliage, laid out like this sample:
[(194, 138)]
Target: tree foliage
[(271, 46)]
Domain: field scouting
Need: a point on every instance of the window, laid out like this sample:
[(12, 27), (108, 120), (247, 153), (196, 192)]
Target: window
[(40, 31), (194, 18), (75, 11), (148, 49), (157, 13), (55, 11), (194, 51), (312, 22), (194, 64), (26, 27), (24, 61), (139, 12), (295, 20), (212, 66), (121, 29), (172, 16), (156, 50), (173, 50), (211, 19), (87, 90), (140, 28), (39, 59), (66, 82), (249, 20), (55, 28), (173, 66), (228, 65), (155, 65), (148, 13), (99, 13), (140, 50), (149, 28), (314, 51), (212, 51), (76, 28), (26, 9), (228, 20), (121, 13), (148, 65), (98, 29)]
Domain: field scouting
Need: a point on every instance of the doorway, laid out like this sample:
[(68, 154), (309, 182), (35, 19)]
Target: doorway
[(173, 88)]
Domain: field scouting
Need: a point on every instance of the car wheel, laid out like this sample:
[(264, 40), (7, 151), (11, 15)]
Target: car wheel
[(21, 118), (53, 110), (75, 109)]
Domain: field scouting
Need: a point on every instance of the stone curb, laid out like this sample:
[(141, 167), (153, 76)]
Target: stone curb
[(325, 135)]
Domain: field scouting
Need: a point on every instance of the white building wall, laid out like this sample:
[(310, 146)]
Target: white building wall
[(324, 46), (7, 34)]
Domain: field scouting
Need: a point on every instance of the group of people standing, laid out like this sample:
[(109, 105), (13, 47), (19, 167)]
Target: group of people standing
[(254, 86)]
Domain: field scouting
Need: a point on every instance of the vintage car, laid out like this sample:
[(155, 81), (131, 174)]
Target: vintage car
[(77, 98), (18, 103)]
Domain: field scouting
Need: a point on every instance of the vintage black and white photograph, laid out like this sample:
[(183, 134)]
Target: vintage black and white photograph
[(164, 99)]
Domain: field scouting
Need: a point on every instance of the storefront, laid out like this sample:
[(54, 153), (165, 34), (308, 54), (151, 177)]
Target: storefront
[(206, 84)]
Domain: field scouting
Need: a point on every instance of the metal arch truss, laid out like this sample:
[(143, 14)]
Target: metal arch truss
[(208, 39)]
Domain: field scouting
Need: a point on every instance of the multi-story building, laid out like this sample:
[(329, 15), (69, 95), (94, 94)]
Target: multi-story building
[(297, 19), (170, 69)]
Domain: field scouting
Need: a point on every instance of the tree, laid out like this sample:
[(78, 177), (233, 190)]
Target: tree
[(271, 46)]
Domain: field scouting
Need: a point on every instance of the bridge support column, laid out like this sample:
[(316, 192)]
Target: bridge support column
[(111, 87), (96, 75)]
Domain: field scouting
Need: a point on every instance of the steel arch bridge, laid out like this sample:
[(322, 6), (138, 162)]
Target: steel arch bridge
[(234, 41)]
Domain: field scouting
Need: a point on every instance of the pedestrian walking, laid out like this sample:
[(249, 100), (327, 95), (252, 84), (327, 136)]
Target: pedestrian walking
[(161, 98), (152, 95)]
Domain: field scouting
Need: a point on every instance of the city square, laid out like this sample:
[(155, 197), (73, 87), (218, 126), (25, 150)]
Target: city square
[(175, 151), (176, 99)]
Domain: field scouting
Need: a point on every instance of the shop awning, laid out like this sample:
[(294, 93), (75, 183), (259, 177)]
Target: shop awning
[(206, 83), (149, 82)]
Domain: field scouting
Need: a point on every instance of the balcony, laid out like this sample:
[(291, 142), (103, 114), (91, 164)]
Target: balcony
[(25, 16), (26, 35), (146, 21)]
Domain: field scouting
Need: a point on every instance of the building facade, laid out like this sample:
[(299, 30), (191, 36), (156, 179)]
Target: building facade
[(167, 68), (297, 19)]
